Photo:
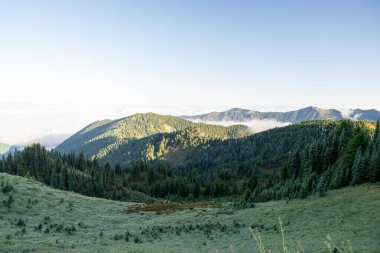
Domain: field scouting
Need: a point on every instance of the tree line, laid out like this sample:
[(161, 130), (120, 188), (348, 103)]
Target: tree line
[(284, 163)]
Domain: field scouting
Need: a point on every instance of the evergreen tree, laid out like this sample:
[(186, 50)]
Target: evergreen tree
[(247, 195), (374, 166), (54, 179), (376, 134), (252, 183), (357, 169), (321, 187), (197, 190)]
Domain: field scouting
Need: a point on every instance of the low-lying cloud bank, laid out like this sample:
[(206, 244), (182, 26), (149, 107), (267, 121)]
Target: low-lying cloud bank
[(255, 125), (350, 114)]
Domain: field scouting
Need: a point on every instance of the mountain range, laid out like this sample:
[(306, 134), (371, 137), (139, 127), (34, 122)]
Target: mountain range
[(144, 136), (304, 114), (151, 136)]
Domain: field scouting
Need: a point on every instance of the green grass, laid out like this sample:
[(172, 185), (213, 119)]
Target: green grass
[(75, 223)]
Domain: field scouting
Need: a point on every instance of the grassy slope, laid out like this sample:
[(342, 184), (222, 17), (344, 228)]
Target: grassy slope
[(350, 213)]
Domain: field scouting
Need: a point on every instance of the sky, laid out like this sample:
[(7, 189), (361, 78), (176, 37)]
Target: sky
[(201, 54)]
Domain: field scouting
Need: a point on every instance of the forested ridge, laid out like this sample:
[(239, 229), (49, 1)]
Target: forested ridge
[(143, 137), (289, 162)]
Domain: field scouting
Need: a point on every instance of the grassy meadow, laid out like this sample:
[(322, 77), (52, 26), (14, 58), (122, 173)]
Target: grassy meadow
[(36, 218)]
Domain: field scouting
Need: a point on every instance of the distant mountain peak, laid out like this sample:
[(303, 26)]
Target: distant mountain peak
[(303, 114)]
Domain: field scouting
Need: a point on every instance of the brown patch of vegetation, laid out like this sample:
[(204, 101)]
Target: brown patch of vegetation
[(160, 208)]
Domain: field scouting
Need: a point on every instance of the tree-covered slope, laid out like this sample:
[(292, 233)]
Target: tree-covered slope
[(264, 150), (70, 172), (289, 162), (304, 114), (143, 136)]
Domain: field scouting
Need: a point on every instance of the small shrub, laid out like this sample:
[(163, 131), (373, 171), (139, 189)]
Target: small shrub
[(118, 237), (38, 228), (20, 223), (71, 205), (70, 229), (59, 228), (7, 188), (127, 235), (226, 211), (47, 220), (8, 203)]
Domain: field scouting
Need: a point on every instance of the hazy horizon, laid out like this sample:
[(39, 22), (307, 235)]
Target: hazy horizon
[(24, 123), (65, 64)]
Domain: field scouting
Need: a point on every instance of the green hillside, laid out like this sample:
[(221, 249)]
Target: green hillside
[(133, 138), (40, 219), (284, 163), (264, 150)]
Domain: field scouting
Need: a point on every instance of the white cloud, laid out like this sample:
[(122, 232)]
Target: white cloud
[(349, 114)]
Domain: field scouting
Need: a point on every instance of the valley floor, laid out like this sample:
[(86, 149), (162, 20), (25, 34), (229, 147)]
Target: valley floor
[(41, 219)]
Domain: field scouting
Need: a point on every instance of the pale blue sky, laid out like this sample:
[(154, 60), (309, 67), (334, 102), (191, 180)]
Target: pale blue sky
[(206, 54), (295, 53)]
